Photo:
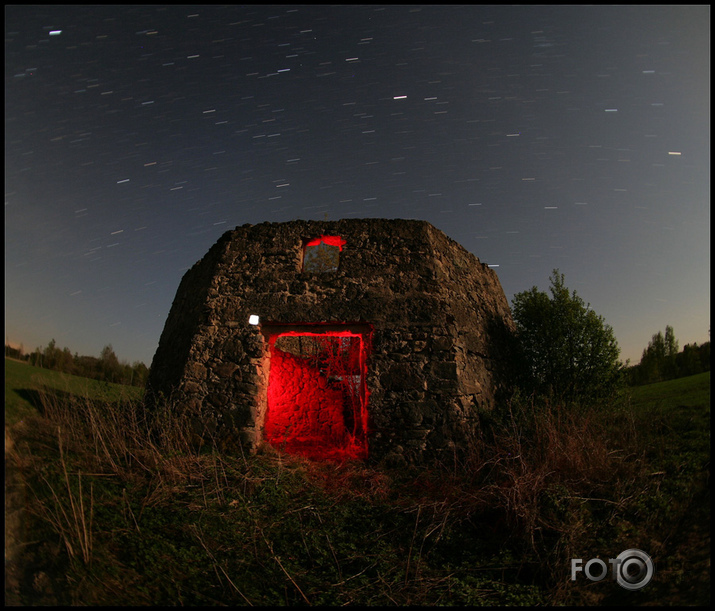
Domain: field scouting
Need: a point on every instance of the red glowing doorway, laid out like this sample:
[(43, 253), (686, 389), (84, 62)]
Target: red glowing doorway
[(317, 396)]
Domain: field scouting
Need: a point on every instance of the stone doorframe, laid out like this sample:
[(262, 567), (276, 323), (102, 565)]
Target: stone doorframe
[(271, 331)]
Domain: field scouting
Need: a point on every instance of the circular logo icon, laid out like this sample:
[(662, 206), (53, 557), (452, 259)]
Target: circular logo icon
[(635, 569)]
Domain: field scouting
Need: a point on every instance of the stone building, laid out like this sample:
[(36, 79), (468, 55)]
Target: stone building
[(362, 338)]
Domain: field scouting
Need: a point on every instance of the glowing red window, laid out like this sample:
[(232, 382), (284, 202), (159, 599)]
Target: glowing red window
[(317, 399), (322, 254)]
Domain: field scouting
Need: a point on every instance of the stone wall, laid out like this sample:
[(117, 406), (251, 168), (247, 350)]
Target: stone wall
[(434, 311)]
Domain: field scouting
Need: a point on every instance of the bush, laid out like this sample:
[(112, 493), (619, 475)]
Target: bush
[(566, 351)]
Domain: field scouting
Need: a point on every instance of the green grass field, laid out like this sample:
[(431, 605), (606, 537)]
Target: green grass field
[(21, 378), (688, 392), (118, 516), (676, 413)]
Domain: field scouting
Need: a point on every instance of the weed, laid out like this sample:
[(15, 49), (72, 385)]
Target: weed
[(143, 516)]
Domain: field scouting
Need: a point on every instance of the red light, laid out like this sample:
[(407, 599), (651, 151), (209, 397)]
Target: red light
[(330, 240), (317, 400)]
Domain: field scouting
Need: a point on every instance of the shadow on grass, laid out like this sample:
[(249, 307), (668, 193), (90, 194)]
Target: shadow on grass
[(34, 396), (40, 398)]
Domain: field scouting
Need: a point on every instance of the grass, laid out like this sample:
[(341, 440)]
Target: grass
[(117, 509), (692, 391), (23, 381)]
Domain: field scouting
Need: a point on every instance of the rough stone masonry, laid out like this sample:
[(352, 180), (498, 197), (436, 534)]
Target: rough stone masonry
[(402, 328)]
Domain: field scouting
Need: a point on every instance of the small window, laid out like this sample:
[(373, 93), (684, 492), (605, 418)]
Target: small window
[(322, 254)]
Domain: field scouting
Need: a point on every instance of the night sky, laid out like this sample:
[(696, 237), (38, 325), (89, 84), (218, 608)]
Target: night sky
[(537, 137)]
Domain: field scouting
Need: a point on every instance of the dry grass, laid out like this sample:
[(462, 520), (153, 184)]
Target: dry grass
[(497, 525), (106, 440)]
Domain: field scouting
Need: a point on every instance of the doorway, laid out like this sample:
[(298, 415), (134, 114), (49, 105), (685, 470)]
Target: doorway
[(316, 396)]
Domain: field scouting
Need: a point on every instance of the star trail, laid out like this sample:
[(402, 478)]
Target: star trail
[(538, 137)]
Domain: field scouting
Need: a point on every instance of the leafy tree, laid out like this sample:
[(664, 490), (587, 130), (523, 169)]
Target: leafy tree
[(704, 351), (15, 353), (65, 362), (36, 358), (660, 358), (88, 366), (109, 364), (653, 360), (107, 367), (568, 351), (51, 355), (140, 374), (670, 368), (689, 360)]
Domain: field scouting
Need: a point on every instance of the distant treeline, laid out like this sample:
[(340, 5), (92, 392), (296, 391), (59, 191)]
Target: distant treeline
[(106, 368), (662, 361)]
